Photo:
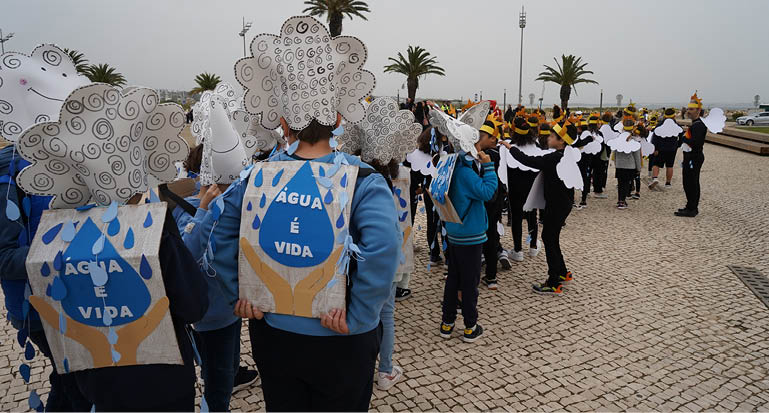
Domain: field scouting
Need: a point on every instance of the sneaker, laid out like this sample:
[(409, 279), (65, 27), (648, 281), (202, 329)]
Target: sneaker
[(621, 205), (577, 206), (668, 185), (547, 290), (686, 213), (386, 380), (483, 259), (491, 284), (459, 306), (504, 260), (654, 183), (516, 256), (569, 277), (244, 378), (402, 294), (446, 275), (636, 195), (600, 195), (436, 260), (583, 205), (446, 330), (472, 334), (533, 252)]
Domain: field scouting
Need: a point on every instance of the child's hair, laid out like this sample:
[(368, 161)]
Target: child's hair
[(423, 141), (571, 130), (194, 159), (522, 139), (641, 131), (389, 170), (556, 112), (314, 132)]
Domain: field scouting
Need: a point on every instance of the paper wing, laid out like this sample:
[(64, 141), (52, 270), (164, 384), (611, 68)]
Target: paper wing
[(715, 121), (647, 148), (668, 129), (476, 115), (421, 162), (568, 170), (536, 199), (621, 144), (608, 133)]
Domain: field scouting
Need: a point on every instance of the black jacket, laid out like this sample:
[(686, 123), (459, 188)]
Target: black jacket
[(695, 137), (558, 198), (135, 388)]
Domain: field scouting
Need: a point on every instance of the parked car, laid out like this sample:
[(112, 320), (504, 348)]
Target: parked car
[(761, 118)]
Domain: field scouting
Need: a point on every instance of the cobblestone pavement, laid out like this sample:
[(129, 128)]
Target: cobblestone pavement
[(653, 321)]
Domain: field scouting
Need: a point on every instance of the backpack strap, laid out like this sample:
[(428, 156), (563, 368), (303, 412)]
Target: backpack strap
[(180, 202)]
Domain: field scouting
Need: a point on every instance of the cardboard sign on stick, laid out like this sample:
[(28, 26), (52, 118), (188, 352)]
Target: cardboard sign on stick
[(439, 188)]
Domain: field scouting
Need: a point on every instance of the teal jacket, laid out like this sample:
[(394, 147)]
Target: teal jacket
[(468, 192)]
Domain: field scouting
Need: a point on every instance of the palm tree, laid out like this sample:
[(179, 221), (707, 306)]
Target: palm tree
[(78, 58), (569, 73), (104, 73), (419, 63), (205, 81), (335, 10)]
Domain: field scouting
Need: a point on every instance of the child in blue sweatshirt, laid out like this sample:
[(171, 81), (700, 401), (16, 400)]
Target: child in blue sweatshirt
[(15, 237), (468, 192), (337, 374)]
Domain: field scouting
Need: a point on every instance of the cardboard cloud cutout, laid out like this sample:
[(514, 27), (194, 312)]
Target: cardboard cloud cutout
[(224, 154), (385, 133), (568, 170), (647, 148), (668, 129), (103, 147), (33, 88), (305, 74), (463, 132), (421, 162), (623, 145), (202, 109), (715, 121), (594, 146)]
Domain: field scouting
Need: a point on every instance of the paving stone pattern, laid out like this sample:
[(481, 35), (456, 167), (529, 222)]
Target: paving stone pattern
[(653, 321)]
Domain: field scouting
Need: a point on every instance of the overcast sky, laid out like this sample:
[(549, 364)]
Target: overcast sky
[(653, 51)]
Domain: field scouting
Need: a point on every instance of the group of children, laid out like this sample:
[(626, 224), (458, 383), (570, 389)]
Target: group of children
[(319, 305)]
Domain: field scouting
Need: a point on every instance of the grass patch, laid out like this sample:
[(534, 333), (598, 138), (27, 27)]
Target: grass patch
[(759, 129)]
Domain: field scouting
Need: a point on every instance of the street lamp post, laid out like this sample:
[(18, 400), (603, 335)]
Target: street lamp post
[(504, 100), (4, 39), (243, 31), (522, 25)]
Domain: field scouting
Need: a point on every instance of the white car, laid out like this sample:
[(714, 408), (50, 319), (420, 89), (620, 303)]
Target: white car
[(761, 118)]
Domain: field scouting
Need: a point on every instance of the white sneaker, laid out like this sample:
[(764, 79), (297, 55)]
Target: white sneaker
[(600, 196), (516, 256), (504, 260), (654, 184), (533, 252), (385, 381)]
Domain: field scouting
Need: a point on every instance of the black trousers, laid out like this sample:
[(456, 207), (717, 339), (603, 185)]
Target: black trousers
[(314, 373), (464, 275), (519, 186), (553, 221), (600, 171), (434, 242), (624, 183), (585, 168), (691, 179), (416, 180), (491, 246)]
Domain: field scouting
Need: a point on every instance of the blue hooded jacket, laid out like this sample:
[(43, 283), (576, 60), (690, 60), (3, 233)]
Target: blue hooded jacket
[(372, 226), (15, 236), (468, 192)]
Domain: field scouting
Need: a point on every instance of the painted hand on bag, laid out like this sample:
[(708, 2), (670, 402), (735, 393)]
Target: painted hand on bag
[(129, 336), (299, 301)]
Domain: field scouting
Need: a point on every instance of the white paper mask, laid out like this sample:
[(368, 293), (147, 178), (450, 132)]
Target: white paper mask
[(223, 153), (33, 88), (102, 147), (201, 109), (385, 133), (304, 74)]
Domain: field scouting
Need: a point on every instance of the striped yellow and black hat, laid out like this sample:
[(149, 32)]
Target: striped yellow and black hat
[(562, 130)]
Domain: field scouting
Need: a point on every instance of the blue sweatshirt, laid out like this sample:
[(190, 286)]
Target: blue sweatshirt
[(373, 228), (181, 216), (468, 192), (15, 237)]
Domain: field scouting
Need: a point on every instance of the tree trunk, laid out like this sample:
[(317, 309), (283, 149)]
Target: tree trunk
[(565, 94), (412, 85), (335, 24)]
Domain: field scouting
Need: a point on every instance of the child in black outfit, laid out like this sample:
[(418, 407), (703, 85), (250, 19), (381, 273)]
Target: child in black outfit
[(558, 204)]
